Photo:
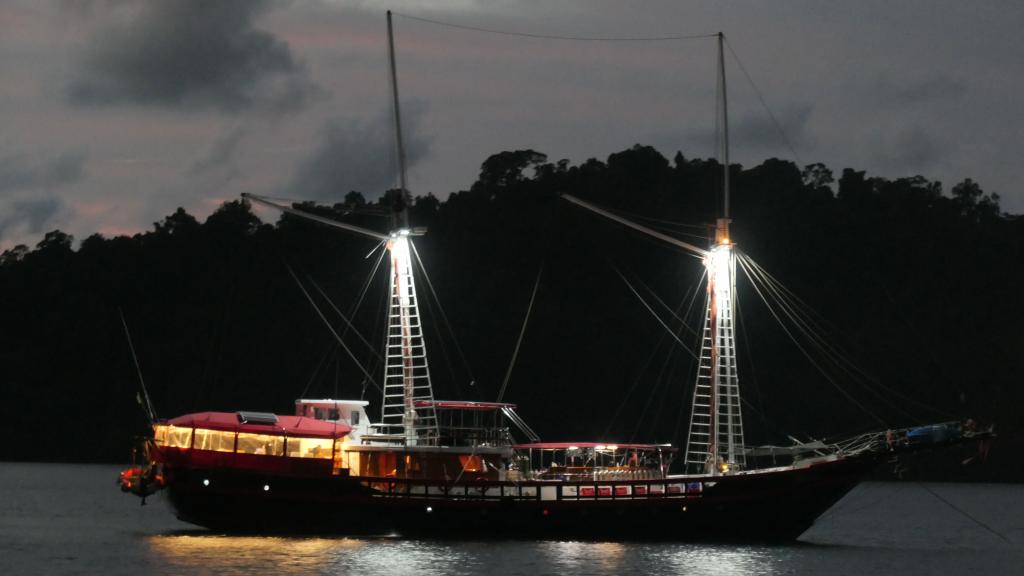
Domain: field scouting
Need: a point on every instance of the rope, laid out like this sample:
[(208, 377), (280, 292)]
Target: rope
[(522, 331), (813, 330), (764, 104), (444, 317), (559, 37), (655, 314), (148, 405), (316, 370), (331, 328), (348, 323), (803, 350), (964, 513)]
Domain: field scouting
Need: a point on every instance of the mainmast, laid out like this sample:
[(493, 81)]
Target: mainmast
[(401, 218), (406, 372), (715, 443)]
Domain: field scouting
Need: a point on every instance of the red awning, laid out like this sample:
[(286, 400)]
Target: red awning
[(462, 405), (286, 425), (601, 445)]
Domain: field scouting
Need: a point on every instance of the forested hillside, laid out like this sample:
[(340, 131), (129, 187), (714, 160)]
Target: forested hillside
[(919, 286)]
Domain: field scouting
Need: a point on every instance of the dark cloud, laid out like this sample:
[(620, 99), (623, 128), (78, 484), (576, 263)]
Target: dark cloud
[(28, 216), (220, 155), (25, 172), (189, 54), (916, 92), (760, 132), (358, 156), (910, 151)]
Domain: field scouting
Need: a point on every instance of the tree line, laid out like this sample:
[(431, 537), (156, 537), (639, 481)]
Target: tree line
[(918, 285)]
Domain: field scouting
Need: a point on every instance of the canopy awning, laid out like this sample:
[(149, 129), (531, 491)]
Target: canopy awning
[(462, 405), (285, 426), (593, 445)]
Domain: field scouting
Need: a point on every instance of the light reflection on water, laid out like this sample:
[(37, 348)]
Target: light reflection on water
[(618, 558), (220, 554), (47, 527), (191, 553)]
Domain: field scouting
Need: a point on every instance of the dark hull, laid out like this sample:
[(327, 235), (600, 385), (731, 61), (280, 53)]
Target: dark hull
[(770, 506)]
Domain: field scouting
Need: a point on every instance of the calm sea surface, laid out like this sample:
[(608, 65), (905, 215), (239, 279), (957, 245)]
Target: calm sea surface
[(71, 519)]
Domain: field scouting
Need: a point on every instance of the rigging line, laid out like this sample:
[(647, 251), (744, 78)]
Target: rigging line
[(660, 381), (823, 346), (687, 393), (636, 382), (638, 216), (366, 285), (964, 513), (837, 353), (760, 97), (806, 354), (444, 316), (558, 37), (355, 307), (666, 306), (381, 329), (643, 367), (331, 328), (444, 347), (316, 370), (655, 314), (807, 324), (148, 405), (657, 381), (522, 332), (816, 341), (348, 323), (749, 355)]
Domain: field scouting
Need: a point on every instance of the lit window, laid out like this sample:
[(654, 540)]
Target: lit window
[(310, 447), (160, 435), (471, 463), (215, 440), (267, 444), (179, 437)]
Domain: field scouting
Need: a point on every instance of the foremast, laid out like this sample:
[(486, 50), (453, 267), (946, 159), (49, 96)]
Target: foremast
[(715, 443), (407, 408)]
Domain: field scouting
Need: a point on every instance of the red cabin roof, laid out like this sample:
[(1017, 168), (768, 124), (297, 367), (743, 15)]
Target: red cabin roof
[(602, 445), (463, 405), (285, 426)]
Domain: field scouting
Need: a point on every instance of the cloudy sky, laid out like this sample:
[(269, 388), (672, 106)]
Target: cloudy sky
[(115, 112)]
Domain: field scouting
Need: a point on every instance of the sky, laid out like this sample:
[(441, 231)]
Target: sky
[(113, 113)]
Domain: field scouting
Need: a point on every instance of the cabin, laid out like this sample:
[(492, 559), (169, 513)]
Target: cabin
[(259, 441)]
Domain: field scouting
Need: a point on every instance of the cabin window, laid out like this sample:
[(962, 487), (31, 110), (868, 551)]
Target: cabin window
[(266, 444), (160, 435), (310, 447), (354, 419), (471, 463), (179, 437), (215, 440)]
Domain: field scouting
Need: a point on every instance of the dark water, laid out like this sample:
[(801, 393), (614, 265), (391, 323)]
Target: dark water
[(71, 519)]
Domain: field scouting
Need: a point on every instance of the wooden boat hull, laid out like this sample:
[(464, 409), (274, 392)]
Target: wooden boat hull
[(772, 505)]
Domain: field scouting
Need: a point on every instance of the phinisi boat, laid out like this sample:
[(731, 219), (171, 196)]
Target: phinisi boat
[(459, 468)]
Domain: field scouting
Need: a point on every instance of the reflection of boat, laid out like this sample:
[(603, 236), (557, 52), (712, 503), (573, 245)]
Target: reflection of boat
[(455, 467)]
